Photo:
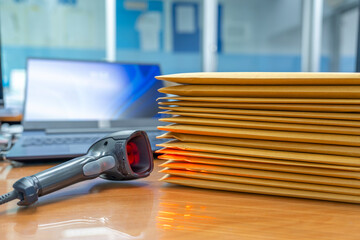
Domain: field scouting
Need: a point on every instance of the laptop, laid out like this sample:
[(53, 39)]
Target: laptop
[(70, 104)]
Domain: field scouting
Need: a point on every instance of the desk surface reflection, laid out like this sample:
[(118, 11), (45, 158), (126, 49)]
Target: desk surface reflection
[(149, 209)]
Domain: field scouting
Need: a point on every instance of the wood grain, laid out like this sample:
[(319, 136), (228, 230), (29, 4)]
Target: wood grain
[(149, 209)]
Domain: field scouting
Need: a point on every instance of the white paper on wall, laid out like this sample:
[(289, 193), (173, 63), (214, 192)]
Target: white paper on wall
[(185, 19), (149, 25)]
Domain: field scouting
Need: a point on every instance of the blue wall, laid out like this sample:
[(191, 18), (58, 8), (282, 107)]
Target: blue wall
[(126, 34), (258, 63), (15, 58), (186, 55), (186, 42)]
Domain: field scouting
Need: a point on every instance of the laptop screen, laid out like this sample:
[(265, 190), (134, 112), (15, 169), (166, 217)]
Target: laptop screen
[(67, 90)]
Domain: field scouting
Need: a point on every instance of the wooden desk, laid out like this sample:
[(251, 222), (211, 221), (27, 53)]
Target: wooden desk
[(149, 209), (15, 118)]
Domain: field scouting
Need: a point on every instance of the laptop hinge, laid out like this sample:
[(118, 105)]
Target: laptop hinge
[(104, 124)]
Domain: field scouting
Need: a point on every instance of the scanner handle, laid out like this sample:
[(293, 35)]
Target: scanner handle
[(73, 171)]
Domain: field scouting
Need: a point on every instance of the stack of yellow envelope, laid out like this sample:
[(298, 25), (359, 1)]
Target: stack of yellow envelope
[(287, 134)]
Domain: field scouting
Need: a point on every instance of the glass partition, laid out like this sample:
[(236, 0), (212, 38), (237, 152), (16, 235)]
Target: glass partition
[(340, 31), (69, 29), (259, 35)]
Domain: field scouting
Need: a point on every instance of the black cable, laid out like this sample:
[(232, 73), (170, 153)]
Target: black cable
[(8, 197)]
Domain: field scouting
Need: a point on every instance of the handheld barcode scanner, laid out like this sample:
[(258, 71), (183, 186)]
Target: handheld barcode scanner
[(118, 156)]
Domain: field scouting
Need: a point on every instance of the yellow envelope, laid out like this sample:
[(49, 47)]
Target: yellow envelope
[(264, 78), (264, 166), (264, 91), (322, 138), (263, 100), (265, 144), (264, 182), (264, 153), (263, 125), (344, 123), (283, 107), (237, 187), (182, 153), (343, 116), (255, 173)]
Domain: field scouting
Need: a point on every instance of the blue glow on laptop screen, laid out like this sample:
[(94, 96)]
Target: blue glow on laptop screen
[(78, 90)]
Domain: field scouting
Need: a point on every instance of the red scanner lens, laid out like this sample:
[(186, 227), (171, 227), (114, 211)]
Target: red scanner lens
[(139, 154), (133, 154)]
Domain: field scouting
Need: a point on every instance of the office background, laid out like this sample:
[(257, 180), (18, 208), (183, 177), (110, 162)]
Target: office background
[(251, 35)]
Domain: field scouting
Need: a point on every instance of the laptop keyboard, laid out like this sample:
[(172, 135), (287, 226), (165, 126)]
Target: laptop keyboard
[(79, 139), (50, 140)]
